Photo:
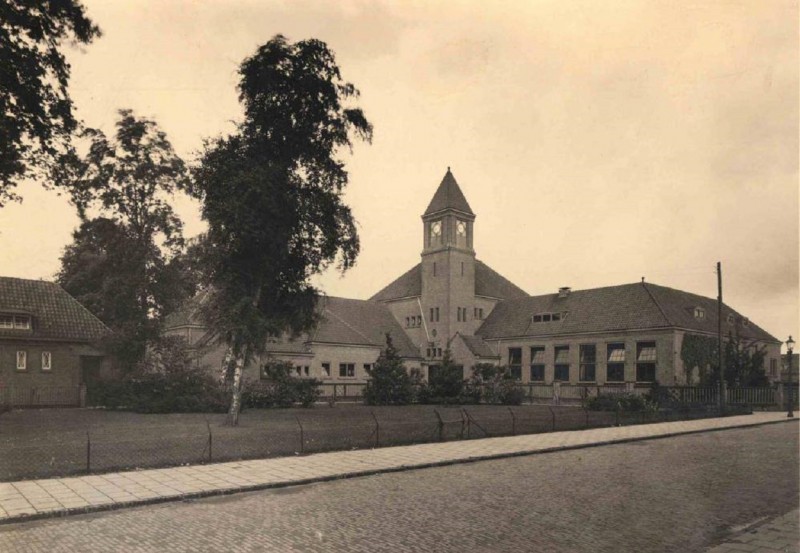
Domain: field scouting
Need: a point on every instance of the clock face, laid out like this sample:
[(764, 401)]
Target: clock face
[(436, 228), (461, 228)]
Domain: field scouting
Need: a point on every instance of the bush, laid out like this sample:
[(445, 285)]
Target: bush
[(623, 402), (389, 383), (281, 390), (445, 383), (492, 384)]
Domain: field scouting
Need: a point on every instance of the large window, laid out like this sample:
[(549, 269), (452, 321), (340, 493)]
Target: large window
[(615, 368), (646, 362), (588, 363), (515, 363), (561, 359), (537, 364), (347, 370)]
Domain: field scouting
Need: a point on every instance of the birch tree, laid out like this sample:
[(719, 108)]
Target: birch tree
[(272, 197)]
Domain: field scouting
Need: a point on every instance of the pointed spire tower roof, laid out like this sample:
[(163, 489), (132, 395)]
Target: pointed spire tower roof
[(448, 196)]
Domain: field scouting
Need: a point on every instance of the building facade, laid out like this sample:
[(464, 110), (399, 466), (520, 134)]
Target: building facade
[(49, 344), (450, 300)]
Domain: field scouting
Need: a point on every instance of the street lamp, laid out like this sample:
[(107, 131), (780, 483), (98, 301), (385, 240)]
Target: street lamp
[(789, 348)]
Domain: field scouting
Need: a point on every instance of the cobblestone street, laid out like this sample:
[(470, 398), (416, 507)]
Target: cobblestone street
[(682, 494)]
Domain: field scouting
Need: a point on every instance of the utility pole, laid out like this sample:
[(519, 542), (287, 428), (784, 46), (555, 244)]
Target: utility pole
[(720, 353)]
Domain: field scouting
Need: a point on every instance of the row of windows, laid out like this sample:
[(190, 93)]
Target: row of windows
[(22, 360), (413, 322), (346, 370), (646, 360), (434, 352), (548, 317), (17, 322)]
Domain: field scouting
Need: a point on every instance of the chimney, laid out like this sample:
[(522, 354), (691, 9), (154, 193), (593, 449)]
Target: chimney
[(564, 291)]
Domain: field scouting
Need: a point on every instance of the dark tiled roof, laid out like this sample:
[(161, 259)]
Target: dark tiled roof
[(448, 196), (678, 307), (408, 284), (56, 315), (478, 346), (614, 308), (342, 321), (346, 321), (488, 282)]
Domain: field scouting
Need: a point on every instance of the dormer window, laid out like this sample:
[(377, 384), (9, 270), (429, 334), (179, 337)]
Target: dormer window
[(731, 319), (745, 321), (699, 313), (16, 322), (549, 317)]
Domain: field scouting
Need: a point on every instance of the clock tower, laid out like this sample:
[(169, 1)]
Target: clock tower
[(448, 266)]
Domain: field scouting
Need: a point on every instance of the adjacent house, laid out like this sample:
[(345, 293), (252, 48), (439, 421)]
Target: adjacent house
[(450, 300), (49, 344)]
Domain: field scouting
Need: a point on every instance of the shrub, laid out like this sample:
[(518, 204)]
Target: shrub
[(282, 389), (623, 402), (389, 383), (445, 383), (492, 384)]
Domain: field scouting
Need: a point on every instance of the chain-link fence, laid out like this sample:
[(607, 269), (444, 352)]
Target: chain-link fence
[(112, 441)]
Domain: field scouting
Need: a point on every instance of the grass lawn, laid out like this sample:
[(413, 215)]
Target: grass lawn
[(38, 443)]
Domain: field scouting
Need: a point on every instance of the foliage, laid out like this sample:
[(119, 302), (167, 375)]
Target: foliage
[(272, 196), (115, 266), (744, 360), (36, 118), (389, 383), (623, 402), (493, 384), (282, 389), (445, 382), (167, 380)]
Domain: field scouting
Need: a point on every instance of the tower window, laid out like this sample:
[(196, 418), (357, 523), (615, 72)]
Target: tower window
[(437, 314)]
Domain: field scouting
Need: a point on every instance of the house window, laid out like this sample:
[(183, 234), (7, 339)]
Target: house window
[(408, 322), (367, 368), (773, 368), (699, 313), (646, 362), (588, 355), (561, 359), (347, 370), (537, 364), (480, 313), (18, 322), (326, 369), (515, 363), (432, 314), (47, 360), (298, 370), (306, 370), (731, 319), (615, 369), (437, 314), (548, 317), (22, 360)]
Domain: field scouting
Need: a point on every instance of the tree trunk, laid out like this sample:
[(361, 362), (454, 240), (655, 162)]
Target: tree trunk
[(236, 400), (227, 366)]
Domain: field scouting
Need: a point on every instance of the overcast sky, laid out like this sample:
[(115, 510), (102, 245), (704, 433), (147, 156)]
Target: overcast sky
[(597, 142)]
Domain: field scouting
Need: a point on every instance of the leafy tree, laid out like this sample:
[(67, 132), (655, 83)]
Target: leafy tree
[(390, 383), (115, 265), (36, 119), (493, 384), (272, 197), (744, 360)]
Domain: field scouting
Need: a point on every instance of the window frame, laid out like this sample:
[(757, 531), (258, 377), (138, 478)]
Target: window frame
[(22, 355), (47, 355), (615, 365), (326, 369), (648, 364), (560, 366), (515, 369), (536, 366), (584, 365), (345, 367)]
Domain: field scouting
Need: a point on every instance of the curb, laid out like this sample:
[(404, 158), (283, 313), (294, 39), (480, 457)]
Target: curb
[(357, 474)]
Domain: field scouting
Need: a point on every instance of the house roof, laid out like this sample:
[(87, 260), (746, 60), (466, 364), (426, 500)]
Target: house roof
[(609, 309), (360, 322), (55, 314), (342, 321), (478, 346), (448, 196), (488, 282)]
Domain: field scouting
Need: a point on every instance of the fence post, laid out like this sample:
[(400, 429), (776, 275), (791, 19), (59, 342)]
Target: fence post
[(616, 410), (302, 437), (208, 426), (88, 453), (586, 422), (334, 393), (377, 430), (553, 415), (82, 395), (530, 394), (440, 425), (513, 422), (465, 416)]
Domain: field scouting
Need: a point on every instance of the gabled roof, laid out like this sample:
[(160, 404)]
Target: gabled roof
[(342, 321), (448, 196), (360, 322), (614, 308), (56, 315), (488, 282), (478, 347)]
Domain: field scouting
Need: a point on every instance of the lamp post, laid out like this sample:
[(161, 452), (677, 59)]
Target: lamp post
[(789, 348)]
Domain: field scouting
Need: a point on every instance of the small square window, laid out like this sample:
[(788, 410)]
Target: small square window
[(326, 369)]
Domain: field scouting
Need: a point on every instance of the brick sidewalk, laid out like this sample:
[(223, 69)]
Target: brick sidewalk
[(779, 535), (31, 499)]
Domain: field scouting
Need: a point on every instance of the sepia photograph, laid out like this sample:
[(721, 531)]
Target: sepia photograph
[(400, 275)]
